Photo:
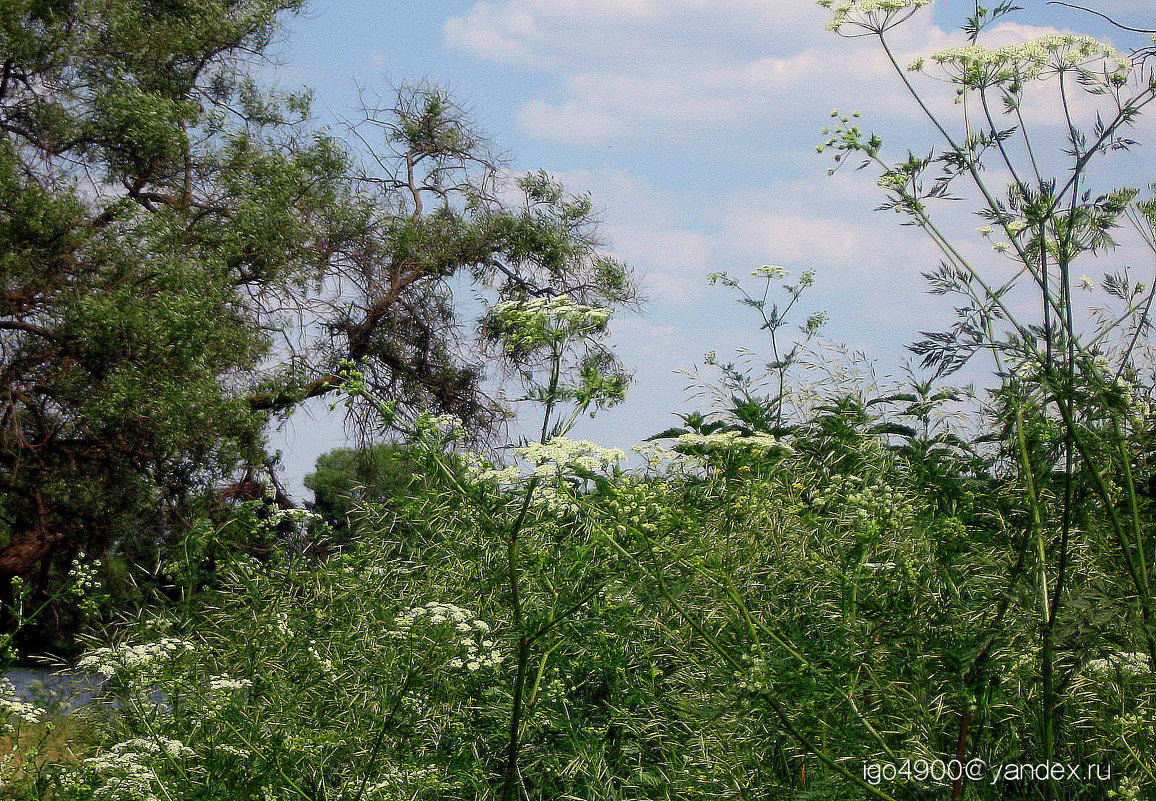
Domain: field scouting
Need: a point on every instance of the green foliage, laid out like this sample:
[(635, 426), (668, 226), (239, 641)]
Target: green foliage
[(793, 595), (699, 632), (381, 474), (183, 255), (1059, 417)]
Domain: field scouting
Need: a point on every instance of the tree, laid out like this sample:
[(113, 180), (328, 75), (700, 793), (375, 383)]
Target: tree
[(344, 479), (185, 256)]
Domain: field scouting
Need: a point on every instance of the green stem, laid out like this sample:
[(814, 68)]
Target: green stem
[(773, 702), (1046, 648)]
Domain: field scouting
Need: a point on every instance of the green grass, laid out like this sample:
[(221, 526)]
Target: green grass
[(760, 631)]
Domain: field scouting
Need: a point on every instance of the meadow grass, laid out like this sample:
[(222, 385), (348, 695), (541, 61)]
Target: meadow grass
[(759, 627)]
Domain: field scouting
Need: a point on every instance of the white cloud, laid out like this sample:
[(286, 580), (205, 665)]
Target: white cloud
[(570, 122), (719, 103), (655, 230), (504, 36), (658, 72)]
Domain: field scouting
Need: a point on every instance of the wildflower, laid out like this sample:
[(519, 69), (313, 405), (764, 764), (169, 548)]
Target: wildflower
[(224, 683), (872, 15), (325, 663), (1128, 664), (772, 271), (447, 427), (728, 441), (561, 453), (477, 650), (10, 708), (653, 453), (523, 325), (232, 750), (976, 67), (133, 658), (128, 769)]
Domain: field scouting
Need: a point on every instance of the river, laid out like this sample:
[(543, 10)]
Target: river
[(50, 688)]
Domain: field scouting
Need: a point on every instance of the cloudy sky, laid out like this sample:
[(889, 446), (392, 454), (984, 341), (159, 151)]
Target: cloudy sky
[(694, 125)]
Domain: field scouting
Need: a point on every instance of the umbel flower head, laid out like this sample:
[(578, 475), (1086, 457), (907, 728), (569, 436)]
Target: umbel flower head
[(730, 442), (560, 456), (977, 67), (525, 325), (133, 658), (871, 16)]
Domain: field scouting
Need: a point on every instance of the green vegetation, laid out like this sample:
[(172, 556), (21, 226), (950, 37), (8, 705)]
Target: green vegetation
[(816, 592), (166, 226), (347, 478)]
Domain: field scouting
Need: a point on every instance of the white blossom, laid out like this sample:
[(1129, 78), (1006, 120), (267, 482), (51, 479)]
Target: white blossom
[(772, 271), (110, 661)]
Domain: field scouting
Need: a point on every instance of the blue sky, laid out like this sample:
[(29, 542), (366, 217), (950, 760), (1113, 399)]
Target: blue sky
[(693, 124)]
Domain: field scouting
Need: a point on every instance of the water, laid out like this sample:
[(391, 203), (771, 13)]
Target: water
[(50, 688)]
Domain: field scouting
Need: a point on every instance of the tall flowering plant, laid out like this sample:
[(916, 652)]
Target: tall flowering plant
[(554, 345), (1071, 411)]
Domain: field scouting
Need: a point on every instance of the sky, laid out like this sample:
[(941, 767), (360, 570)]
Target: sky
[(693, 124)]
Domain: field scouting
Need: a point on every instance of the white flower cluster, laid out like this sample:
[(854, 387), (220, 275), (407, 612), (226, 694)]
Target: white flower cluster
[(224, 692), (977, 66), (860, 499), (653, 454), (297, 515), (84, 576), (126, 772), (772, 271), (442, 427), (152, 745), (12, 709), (396, 782), (133, 658), (324, 662), (1013, 228), (481, 470), (558, 308), (560, 453), (84, 584), (556, 501), (232, 750), (729, 442), (558, 457), (861, 12), (1128, 664), (471, 633), (526, 324), (227, 684)]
